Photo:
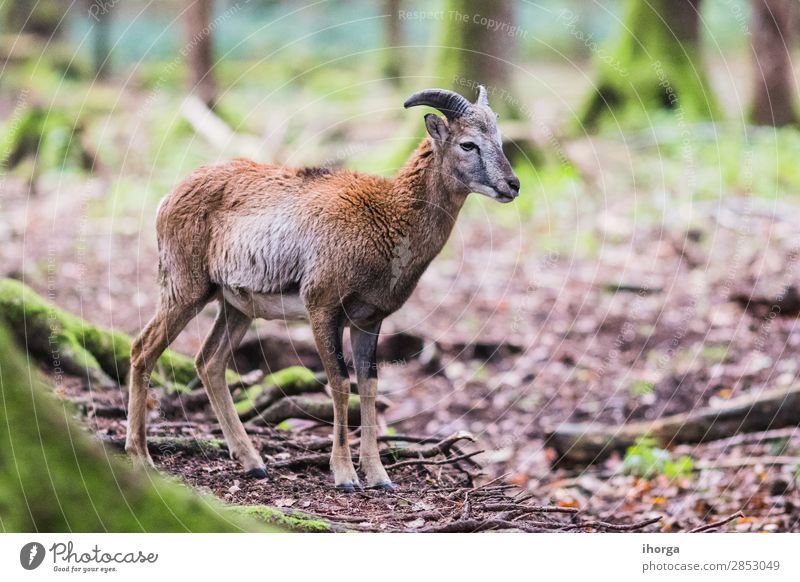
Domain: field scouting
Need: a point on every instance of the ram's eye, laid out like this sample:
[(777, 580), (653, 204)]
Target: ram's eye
[(468, 146)]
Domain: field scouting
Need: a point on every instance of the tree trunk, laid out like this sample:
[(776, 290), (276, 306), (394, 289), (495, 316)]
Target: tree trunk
[(478, 48), (773, 77), (655, 65), (199, 50), (101, 39)]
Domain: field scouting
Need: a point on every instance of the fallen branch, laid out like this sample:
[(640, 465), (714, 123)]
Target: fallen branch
[(218, 133), (590, 443)]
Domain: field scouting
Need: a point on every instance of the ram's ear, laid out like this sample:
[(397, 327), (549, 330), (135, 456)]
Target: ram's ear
[(437, 127)]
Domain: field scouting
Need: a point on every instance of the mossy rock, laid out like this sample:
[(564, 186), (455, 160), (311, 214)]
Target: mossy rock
[(55, 478)]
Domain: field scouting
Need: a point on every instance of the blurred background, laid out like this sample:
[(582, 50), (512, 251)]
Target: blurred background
[(636, 276)]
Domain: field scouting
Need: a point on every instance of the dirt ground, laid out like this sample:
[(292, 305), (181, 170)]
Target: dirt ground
[(503, 338)]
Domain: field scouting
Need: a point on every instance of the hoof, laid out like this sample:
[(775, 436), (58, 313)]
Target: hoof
[(257, 473), (383, 486), (348, 487)]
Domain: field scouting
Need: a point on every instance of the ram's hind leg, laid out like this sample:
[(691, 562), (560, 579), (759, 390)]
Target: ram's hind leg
[(167, 323), (212, 361)]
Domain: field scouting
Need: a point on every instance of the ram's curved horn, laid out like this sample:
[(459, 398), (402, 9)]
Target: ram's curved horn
[(451, 104)]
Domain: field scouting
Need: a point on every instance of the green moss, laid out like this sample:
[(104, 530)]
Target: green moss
[(83, 347), (190, 446), (54, 478), (286, 382), (296, 520)]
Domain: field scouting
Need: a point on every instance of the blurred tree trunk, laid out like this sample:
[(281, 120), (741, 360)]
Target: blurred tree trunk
[(479, 47), (773, 77), (199, 50), (37, 17), (392, 67), (54, 478), (656, 65), (473, 54), (101, 39)]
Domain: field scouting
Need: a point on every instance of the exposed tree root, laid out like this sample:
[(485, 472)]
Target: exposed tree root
[(316, 409), (480, 511)]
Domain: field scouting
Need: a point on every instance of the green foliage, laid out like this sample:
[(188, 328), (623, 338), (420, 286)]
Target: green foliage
[(779, 446), (644, 459), (641, 388)]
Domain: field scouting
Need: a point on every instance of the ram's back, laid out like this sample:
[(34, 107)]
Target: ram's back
[(264, 228)]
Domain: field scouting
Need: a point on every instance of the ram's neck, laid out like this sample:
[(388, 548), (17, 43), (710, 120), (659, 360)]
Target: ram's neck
[(431, 201)]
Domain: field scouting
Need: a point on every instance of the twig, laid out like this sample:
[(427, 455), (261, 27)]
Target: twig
[(716, 524), (527, 508), (433, 462), (442, 447), (400, 438), (476, 525), (612, 526)]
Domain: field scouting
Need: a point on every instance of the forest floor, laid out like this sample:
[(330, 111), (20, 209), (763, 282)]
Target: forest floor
[(505, 339)]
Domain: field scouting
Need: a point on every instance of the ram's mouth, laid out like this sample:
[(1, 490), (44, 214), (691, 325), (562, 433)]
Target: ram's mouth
[(503, 197), (494, 193)]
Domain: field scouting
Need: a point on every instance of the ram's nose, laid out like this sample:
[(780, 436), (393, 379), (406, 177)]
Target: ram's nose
[(513, 185)]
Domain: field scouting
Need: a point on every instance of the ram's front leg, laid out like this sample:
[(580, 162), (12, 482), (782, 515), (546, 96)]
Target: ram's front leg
[(364, 340), (327, 325)]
